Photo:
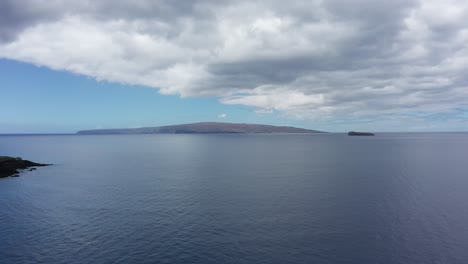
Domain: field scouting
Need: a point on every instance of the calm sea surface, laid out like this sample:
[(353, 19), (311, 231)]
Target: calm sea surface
[(326, 198)]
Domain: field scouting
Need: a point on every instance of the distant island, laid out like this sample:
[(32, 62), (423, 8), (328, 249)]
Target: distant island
[(202, 128), (10, 166), (354, 133)]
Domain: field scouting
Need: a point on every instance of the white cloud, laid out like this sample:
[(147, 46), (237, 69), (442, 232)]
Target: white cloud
[(302, 59), (222, 116)]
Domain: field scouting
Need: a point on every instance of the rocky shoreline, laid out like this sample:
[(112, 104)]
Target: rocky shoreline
[(10, 167)]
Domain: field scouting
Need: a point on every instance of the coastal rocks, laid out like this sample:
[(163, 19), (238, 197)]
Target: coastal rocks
[(354, 133), (10, 167)]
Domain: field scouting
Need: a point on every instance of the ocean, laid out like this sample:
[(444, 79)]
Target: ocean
[(229, 198)]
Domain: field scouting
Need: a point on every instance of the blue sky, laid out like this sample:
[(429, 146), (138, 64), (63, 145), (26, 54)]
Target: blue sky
[(329, 65)]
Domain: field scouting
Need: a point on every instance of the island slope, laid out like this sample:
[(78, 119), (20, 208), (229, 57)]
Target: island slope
[(202, 128)]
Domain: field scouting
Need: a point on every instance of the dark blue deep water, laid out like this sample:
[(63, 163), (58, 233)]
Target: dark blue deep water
[(328, 198)]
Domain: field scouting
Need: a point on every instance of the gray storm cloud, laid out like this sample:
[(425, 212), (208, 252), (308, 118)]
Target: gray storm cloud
[(303, 59)]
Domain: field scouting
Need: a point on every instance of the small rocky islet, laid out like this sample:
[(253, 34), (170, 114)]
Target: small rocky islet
[(11, 167), (354, 133)]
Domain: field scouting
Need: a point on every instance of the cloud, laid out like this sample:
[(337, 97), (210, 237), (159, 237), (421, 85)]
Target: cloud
[(222, 116), (313, 60)]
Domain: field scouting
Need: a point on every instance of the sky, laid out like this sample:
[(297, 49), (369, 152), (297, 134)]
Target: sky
[(329, 65)]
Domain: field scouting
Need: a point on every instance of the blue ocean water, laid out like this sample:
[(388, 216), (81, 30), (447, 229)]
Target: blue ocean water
[(279, 198)]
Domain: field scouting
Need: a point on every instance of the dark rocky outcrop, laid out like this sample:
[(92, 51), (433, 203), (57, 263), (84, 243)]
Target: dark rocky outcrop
[(354, 133), (11, 166)]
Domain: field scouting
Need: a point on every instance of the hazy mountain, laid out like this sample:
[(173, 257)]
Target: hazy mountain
[(203, 127)]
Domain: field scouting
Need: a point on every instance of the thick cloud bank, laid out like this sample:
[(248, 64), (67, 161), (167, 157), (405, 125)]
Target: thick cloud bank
[(304, 59)]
